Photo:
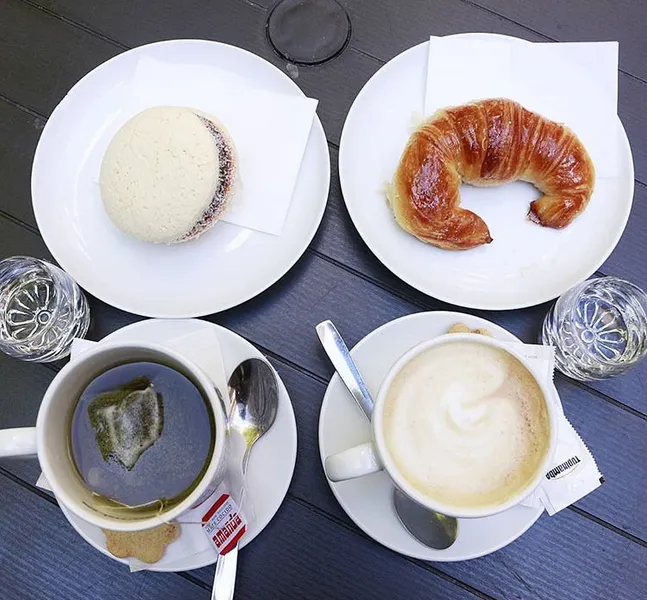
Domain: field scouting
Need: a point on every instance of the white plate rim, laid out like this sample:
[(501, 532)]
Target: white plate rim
[(130, 332), (430, 554), (392, 266), (106, 294)]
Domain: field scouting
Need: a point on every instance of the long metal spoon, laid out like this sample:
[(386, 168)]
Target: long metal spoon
[(254, 401), (428, 527)]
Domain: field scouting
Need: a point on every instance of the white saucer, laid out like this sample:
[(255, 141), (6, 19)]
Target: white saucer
[(525, 264), (271, 463), (228, 265), (368, 500)]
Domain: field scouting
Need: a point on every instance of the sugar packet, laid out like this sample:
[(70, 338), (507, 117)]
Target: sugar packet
[(572, 475)]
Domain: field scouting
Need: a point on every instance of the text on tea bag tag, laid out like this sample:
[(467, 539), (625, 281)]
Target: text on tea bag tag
[(223, 522)]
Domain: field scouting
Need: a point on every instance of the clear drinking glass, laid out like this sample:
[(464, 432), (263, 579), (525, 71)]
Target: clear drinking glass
[(598, 328), (42, 310)]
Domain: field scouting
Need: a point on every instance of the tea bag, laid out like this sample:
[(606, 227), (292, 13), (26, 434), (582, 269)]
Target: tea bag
[(127, 421)]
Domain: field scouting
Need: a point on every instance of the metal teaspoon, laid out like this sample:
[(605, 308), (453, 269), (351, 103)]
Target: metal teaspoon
[(428, 527), (254, 401)]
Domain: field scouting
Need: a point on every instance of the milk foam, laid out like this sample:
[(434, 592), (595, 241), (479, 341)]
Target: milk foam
[(466, 424)]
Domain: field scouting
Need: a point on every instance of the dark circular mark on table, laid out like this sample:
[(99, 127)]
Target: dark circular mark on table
[(308, 32)]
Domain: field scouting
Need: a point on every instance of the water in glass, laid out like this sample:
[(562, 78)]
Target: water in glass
[(42, 310), (598, 328)]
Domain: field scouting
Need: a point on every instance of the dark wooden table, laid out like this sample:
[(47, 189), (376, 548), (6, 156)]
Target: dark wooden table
[(596, 549)]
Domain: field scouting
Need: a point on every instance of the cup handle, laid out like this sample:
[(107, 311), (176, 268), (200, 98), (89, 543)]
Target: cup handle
[(352, 463), (20, 441)]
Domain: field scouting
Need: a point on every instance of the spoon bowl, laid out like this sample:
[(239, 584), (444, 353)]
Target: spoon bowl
[(254, 401), (430, 528)]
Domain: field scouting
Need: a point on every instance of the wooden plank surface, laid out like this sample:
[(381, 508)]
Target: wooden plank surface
[(334, 84), (19, 132), (62, 566), (312, 549), (42, 557), (602, 20)]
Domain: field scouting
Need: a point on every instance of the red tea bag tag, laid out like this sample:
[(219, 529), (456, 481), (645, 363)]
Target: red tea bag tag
[(223, 523)]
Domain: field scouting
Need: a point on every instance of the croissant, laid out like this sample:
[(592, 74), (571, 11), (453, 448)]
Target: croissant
[(488, 142)]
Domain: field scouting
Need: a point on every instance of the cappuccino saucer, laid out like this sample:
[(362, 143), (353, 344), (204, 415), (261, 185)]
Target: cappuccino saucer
[(271, 465), (368, 500)]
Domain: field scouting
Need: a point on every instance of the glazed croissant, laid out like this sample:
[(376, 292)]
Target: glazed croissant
[(489, 142)]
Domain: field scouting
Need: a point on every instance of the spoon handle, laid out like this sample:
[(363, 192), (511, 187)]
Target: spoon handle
[(340, 357), (225, 578)]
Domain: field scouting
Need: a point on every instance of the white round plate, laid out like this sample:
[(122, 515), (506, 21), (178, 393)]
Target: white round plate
[(526, 264), (271, 465), (368, 500), (224, 267)]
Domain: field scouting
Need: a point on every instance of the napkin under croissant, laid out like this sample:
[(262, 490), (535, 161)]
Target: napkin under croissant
[(486, 143)]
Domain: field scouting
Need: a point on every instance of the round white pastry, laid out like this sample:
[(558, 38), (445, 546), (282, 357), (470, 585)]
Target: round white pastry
[(168, 175)]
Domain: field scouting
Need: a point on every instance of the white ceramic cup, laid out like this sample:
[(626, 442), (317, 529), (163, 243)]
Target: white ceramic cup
[(374, 456), (49, 439)]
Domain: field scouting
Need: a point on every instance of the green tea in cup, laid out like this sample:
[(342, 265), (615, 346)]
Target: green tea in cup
[(141, 438)]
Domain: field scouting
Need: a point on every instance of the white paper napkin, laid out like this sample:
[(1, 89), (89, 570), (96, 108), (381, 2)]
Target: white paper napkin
[(572, 83), (270, 131), (203, 348)]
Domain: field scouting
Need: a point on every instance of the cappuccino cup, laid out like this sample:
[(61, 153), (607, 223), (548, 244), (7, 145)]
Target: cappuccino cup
[(463, 424)]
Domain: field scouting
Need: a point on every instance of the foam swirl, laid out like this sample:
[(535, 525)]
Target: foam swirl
[(466, 424)]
